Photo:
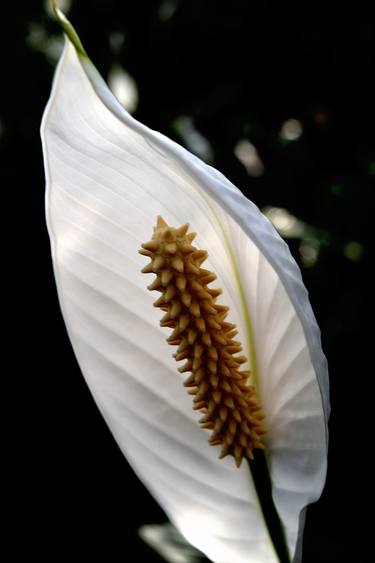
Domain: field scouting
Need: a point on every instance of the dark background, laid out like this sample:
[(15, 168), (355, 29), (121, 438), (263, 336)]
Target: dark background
[(239, 70)]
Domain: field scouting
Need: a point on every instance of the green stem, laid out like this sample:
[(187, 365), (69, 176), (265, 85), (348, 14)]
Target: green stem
[(68, 29), (263, 486)]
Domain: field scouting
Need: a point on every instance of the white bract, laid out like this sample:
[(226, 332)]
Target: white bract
[(108, 177)]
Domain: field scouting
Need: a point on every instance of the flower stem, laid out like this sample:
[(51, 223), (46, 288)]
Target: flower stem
[(263, 486), (68, 29)]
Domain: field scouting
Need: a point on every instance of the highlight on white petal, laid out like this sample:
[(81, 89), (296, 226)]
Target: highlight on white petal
[(108, 177)]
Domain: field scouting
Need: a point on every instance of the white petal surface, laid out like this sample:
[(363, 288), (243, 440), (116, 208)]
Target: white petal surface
[(108, 177)]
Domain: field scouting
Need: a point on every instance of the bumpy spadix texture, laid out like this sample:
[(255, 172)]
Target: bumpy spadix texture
[(205, 341)]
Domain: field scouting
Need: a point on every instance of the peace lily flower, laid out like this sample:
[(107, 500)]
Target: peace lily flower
[(108, 179)]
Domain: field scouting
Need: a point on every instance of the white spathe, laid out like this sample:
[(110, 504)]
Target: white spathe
[(108, 177)]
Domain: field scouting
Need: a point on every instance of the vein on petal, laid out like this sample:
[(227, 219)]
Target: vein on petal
[(101, 323), (117, 303), (291, 398), (179, 468), (284, 335)]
